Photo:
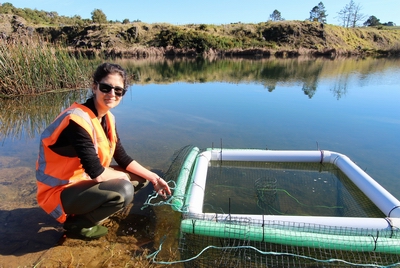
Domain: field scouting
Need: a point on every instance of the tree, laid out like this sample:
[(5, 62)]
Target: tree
[(372, 21), (390, 23), (276, 16), (98, 16), (126, 21), (77, 20), (7, 8), (351, 14), (318, 13)]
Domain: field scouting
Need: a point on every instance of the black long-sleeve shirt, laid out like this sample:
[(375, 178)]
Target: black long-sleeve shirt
[(82, 146)]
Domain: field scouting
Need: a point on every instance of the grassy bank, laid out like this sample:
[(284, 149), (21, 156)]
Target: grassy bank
[(284, 38)]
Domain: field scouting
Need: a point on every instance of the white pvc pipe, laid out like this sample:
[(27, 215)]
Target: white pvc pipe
[(387, 203), (198, 186), (265, 155)]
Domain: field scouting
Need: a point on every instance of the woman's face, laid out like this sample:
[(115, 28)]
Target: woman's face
[(106, 101)]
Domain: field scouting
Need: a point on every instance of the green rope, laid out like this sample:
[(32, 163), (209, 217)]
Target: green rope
[(288, 194), (151, 199), (302, 204), (154, 255)]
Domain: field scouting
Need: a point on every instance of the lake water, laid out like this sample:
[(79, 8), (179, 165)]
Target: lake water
[(350, 111), (349, 106)]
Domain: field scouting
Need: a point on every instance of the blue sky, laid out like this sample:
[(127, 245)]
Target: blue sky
[(210, 11)]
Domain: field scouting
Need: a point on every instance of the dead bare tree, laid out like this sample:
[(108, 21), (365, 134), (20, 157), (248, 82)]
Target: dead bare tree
[(351, 14)]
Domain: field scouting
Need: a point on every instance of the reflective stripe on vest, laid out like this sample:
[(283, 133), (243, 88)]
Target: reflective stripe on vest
[(57, 212)]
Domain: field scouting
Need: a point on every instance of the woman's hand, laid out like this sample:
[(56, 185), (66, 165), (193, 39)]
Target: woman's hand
[(161, 187)]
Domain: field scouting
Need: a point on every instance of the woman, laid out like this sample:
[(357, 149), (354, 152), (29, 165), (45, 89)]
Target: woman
[(73, 170)]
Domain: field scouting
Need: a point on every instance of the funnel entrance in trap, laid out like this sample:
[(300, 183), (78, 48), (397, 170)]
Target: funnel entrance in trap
[(265, 192)]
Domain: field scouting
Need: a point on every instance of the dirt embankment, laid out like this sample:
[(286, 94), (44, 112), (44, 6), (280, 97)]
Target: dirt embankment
[(285, 39)]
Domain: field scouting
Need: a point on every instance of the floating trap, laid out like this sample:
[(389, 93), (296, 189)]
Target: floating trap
[(262, 208)]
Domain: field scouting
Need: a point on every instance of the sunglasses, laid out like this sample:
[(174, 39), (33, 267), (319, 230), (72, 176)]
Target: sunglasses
[(106, 88)]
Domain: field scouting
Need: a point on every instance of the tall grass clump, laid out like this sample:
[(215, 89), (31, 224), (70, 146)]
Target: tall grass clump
[(36, 67)]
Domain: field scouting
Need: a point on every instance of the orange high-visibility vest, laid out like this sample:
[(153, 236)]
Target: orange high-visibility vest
[(54, 172)]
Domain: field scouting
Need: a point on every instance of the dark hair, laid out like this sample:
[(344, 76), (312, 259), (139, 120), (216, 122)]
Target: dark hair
[(110, 68)]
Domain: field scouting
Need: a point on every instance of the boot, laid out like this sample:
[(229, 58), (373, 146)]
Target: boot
[(81, 227)]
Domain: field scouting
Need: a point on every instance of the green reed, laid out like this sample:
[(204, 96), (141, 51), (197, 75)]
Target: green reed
[(35, 67)]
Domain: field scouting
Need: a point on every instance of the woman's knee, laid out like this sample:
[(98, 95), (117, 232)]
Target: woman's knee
[(123, 187)]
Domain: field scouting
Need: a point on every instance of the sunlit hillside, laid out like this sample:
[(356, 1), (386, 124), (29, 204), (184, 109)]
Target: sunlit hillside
[(139, 39)]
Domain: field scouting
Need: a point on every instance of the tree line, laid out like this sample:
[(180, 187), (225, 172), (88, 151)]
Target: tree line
[(40, 17), (349, 16)]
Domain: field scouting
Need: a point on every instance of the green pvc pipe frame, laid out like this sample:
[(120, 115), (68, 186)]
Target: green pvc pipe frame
[(290, 237), (182, 180)]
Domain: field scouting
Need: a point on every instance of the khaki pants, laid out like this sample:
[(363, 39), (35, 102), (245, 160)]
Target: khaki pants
[(91, 202)]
